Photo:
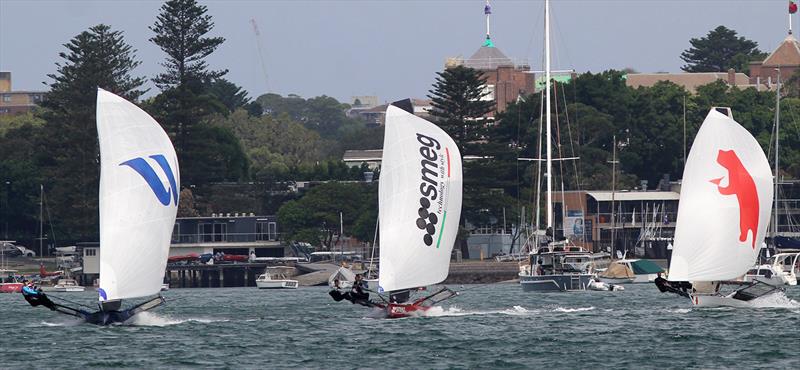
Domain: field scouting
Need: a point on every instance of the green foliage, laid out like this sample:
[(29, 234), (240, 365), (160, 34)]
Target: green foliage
[(719, 51), (215, 156), (326, 117), (230, 95), (95, 58), (314, 218), (11, 122), (20, 176), (180, 31), (457, 105)]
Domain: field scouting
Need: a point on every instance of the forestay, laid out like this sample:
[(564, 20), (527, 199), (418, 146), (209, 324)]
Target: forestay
[(419, 202), (725, 202), (139, 182)]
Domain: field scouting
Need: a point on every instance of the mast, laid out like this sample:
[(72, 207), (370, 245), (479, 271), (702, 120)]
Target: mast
[(487, 10), (777, 141), (613, 193), (549, 173), (41, 217)]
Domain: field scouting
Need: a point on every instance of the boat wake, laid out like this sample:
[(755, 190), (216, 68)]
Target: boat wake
[(438, 311), (153, 319), (777, 300)]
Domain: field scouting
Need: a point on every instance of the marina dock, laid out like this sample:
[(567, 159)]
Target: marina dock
[(313, 274)]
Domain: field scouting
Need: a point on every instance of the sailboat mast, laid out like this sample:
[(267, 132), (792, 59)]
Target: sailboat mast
[(41, 217), (613, 192), (777, 156), (547, 114)]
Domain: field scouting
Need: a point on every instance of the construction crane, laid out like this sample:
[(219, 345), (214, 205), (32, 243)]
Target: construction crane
[(260, 53)]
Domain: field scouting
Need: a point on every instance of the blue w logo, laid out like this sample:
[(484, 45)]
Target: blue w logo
[(143, 168)]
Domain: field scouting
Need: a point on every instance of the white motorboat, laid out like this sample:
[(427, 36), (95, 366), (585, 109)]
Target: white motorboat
[(65, 285), (782, 270), (275, 278)]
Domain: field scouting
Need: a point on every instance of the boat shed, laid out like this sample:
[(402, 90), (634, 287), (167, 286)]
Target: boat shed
[(642, 223)]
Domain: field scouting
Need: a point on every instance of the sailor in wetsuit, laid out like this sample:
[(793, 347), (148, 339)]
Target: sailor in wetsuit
[(356, 295), (35, 297), (665, 286), (357, 292)]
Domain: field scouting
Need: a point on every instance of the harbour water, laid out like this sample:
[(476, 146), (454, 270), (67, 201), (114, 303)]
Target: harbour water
[(490, 326)]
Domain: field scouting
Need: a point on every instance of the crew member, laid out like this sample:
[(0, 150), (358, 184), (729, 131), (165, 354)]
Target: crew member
[(357, 292), (35, 297), (336, 294), (665, 286)]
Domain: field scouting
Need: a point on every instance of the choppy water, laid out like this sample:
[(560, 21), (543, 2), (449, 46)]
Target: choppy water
[(495, 326)]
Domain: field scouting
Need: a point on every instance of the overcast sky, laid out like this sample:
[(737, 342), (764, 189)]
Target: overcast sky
[(388, 48)]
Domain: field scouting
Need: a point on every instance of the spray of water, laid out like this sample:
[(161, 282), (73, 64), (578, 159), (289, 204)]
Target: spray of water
[(153, 319)]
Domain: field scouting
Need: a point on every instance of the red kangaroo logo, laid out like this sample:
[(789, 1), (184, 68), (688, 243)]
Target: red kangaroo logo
[(741, 184)]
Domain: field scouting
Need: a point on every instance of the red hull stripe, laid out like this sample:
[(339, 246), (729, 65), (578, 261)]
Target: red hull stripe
[(447, 152)]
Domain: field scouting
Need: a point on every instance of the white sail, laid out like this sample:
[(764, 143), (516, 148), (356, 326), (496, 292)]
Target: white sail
[(725, 203), (419, 202), (139, 182)]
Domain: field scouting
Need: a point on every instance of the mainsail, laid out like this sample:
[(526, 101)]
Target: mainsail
[(139, 182), (725, 203), (419, 202)]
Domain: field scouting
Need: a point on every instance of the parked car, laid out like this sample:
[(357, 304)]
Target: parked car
[(26, 252), (9, 249)]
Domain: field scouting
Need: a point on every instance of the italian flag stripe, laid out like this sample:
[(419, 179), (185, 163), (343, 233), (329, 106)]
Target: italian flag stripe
[(439, 240)]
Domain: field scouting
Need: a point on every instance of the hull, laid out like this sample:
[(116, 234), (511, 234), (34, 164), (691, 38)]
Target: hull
[(396, 311), (10, 287), (741, 297), (617, 280), (277, 284), (554, 283)]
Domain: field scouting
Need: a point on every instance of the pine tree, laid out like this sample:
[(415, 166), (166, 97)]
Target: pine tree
[(719, 51), (457, 105), (180, 32), (206, 153), (98, 57)]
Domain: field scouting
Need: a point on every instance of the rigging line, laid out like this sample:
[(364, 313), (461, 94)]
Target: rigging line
[(571, 140), (560, 155), (47, 211), (69, 301), (539, 166)]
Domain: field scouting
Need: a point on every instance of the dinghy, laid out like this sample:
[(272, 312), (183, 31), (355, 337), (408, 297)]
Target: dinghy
[(419, 207), (723, 214), (139, 183)]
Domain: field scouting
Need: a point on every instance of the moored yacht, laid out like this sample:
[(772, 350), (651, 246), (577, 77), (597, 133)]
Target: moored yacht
[(557, 268)]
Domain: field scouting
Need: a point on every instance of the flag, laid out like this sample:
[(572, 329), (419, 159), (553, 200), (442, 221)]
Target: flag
[(792, 7)]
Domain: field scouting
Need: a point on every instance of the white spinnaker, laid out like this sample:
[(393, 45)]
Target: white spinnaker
[(135, 224), (708, 245), (417, 155)]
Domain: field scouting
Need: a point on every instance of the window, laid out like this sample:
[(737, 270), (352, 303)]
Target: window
[(90, 252), (176, 233), (6, 98), (273, 231)]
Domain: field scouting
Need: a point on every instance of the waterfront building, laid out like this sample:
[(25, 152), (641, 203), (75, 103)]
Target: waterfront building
[(642, 223), (785, 59), (16, 102), (237, 234), (691, 81), (506, 79)]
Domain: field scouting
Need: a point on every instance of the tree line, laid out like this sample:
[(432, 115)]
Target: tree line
[(239, 154)]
